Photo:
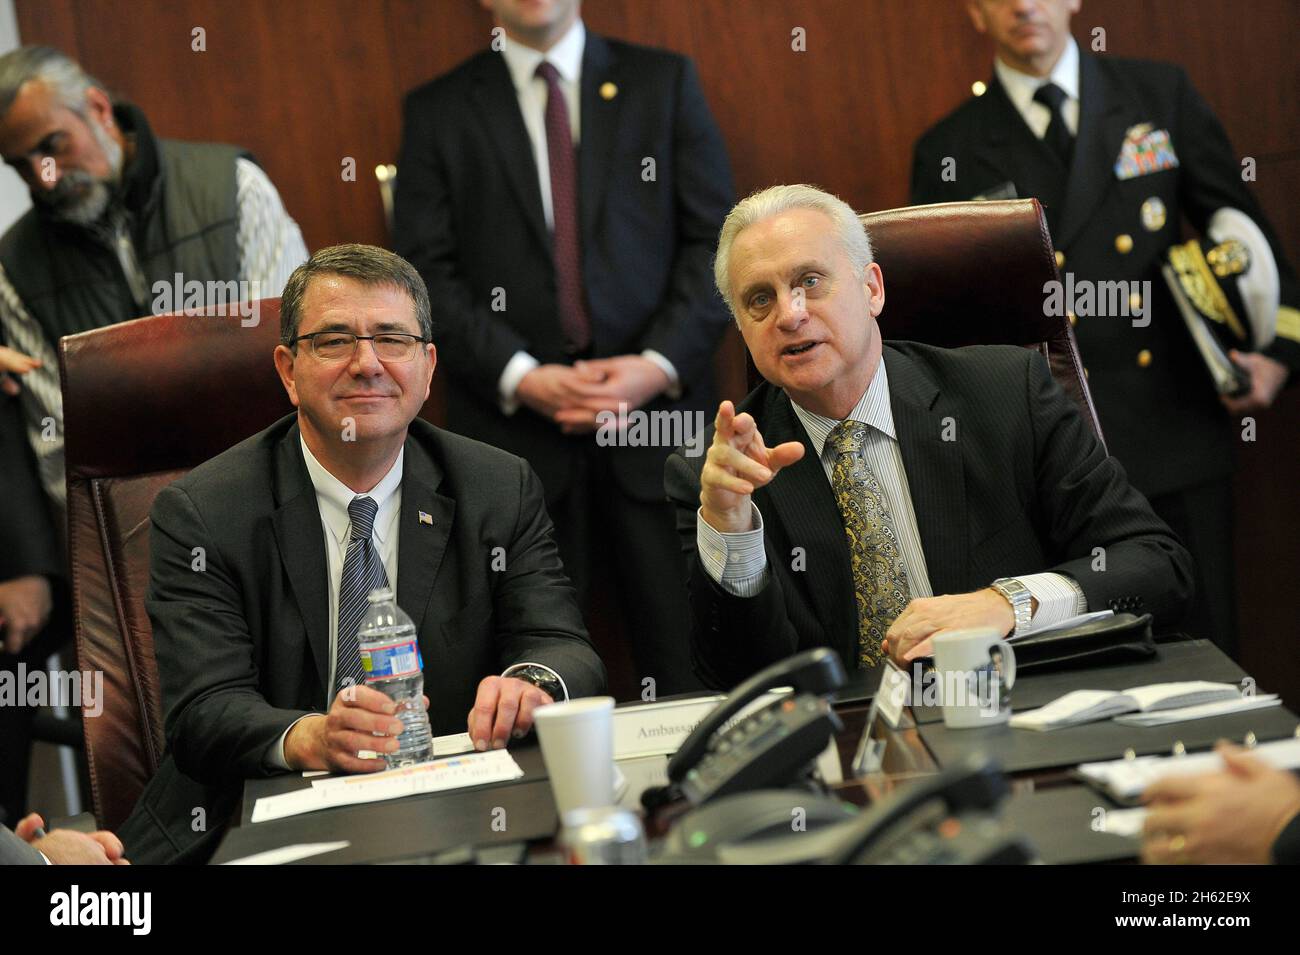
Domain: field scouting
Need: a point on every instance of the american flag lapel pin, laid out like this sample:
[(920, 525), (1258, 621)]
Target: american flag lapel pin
[(426, 518)]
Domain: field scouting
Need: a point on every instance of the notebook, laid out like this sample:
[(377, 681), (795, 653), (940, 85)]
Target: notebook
[(1088, 706)]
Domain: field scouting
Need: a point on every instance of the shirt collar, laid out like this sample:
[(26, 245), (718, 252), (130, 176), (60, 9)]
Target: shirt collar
[(522, 61), (334, 496), (1020, 87), (872, 409)]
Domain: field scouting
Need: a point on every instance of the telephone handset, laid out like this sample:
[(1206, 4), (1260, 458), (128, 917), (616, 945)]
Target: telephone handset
[(949, 819), (771, 747)]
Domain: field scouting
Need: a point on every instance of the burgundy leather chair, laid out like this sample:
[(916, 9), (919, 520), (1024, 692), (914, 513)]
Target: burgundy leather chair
[(972, 273), (143, 402)]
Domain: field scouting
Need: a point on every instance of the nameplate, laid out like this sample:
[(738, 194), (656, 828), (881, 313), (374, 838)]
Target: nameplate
[(894, 694), (659, 729)]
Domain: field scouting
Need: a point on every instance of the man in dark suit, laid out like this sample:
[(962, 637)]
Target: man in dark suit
[(561, 194), (254, 555), (863, 477), (1120, 152), (33, 597)]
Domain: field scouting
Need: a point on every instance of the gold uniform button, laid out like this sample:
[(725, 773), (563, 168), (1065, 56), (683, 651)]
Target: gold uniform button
[(1060, 258), (1123, 243), (608, 91), (1144, 358), (1135, 302)]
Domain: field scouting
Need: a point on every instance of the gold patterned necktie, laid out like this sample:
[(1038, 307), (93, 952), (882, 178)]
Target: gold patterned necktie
[(879, 578)]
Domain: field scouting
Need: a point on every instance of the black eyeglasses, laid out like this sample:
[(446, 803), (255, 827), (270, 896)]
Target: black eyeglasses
[(340, 346)]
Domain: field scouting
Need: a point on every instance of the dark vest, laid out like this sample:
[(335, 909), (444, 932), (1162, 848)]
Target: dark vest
[(181, 211)]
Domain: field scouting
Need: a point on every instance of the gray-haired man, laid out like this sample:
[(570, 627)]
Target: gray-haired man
[(832, 511), (118, 215)]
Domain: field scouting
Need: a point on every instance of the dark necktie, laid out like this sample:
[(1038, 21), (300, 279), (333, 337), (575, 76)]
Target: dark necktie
[(879, 577), (1057, 138), (564, 209), (363, 571)]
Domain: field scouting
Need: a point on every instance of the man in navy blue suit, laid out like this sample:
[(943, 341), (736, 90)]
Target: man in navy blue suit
[(561, 194)]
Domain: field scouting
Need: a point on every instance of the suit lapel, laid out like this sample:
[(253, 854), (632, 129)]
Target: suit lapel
[(599, 123), (425, 527), (935, 473), (1102, 124), (300, 538), (1009, 146), (806, 507), (497, 107)]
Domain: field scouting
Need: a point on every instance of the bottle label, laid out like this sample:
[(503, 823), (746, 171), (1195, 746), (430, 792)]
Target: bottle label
[(392, 660)]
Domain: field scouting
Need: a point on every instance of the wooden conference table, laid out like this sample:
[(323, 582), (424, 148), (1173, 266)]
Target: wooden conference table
[(517, 821)]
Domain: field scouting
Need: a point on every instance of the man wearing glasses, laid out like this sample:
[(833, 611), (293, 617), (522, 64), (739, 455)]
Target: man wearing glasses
[(257, 652)]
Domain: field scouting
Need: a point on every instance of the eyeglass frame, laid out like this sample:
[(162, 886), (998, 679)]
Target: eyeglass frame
[(356, 339)]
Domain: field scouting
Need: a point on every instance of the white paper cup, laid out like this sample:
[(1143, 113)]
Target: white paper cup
[(577, 740)]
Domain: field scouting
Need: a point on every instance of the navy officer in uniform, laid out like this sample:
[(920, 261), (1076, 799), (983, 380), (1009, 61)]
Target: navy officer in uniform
[(1119, 151)]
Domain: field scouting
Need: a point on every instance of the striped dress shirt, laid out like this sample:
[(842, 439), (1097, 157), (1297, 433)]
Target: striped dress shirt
[(738, 563)]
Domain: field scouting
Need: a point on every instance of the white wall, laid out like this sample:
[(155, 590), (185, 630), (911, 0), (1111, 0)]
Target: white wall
[(14, 200)]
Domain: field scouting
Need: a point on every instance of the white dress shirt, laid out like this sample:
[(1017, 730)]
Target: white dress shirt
[(531, 91), (738, 563), (332, 500), (1021, 87)]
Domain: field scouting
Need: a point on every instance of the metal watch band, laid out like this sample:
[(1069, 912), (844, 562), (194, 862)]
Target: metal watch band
[(1021, 600)]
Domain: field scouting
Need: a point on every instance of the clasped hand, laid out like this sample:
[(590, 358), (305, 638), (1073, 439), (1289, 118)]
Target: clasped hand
[(574, 396)]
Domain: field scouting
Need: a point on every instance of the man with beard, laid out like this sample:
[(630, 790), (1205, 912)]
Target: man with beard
[(115, 211)]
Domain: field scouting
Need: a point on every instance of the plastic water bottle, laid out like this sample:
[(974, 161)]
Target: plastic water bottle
[(390, 656)]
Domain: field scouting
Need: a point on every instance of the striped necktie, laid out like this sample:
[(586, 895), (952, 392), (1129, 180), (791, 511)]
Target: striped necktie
[(363, 571), (879, 577)]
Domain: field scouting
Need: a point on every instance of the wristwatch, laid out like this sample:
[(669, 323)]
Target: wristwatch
[(1021, 600), (541, 678)]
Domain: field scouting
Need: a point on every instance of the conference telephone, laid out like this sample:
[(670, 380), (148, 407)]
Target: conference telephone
[(774, 746), (948, 820)]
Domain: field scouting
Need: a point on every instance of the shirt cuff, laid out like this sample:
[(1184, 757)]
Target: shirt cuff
[(274, 758), (520, 364), (1059, 599), (736, 562), (674, 389), (519, 666)]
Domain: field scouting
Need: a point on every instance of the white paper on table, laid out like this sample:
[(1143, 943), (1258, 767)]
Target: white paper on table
[(1125, 822), (456, 772), (289, 853), (1066, 624), (452, 744), (1199, 712)]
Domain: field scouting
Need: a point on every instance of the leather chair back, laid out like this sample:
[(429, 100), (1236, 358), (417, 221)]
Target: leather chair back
[(144, 401), (972, 273)]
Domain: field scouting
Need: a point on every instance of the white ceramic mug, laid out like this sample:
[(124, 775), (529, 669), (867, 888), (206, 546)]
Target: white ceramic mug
[(975, 669)]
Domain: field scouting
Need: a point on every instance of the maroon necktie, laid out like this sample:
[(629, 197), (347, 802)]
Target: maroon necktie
[(564, 208)]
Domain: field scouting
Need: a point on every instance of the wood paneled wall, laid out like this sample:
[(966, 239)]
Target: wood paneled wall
[(306, 84)]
